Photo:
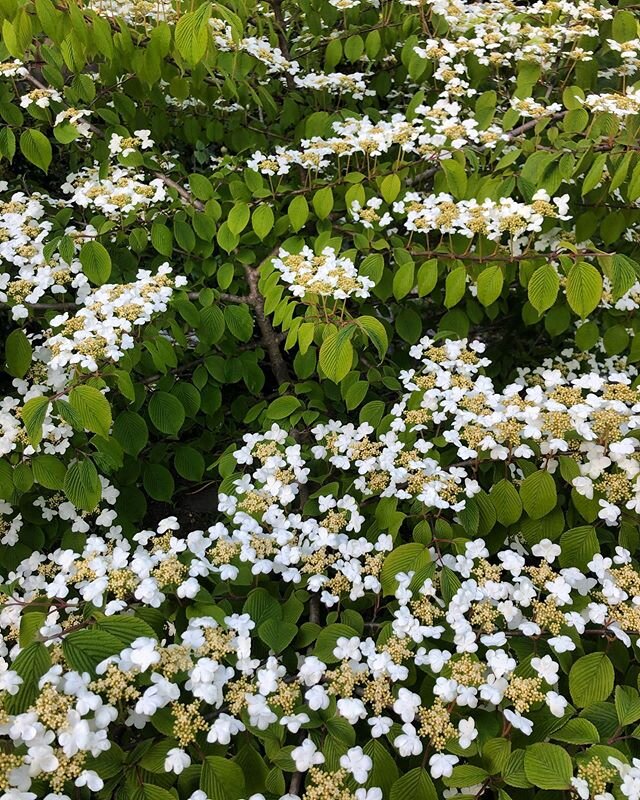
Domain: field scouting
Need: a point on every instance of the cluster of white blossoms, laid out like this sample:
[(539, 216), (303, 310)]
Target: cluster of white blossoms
[(77, 117), (13, 69), (353, 84), (135, 11), (42, 98), (212, 674), (493, 219), (327, 274), (125, 145), (618, 104), (103, 328), (277, 64), (121, 191), (24, 230)]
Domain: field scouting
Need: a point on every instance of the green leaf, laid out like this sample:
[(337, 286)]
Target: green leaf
[(48, 471), (404, 558), (538, 494), (506, 501), (30, 664), (579, 545), (627, 702), (456, 177), (222, 779), (96, 262), (262, 220), (594, 175), (18, 353), (283, 407), (403, 280), (85, 649), (376, 332), (192, 34), (239, 322), (158, 482), (298, 212), (189, 463), (455, 285), (131, 431), (584, 288), (82, 485), (162, 239), (322, 202), (578, 731), (490, 283), (336, 354), (125, 628), (93, 409), (414, 785), (466, 775), (36, 148), (548, 766), (543, 288), (390, 187), (427, 277), (166, 412), (238, 217), (591, 679), (277, 634), (34, 413)]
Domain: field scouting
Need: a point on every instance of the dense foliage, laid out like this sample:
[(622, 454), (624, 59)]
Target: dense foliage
[(320, 422)]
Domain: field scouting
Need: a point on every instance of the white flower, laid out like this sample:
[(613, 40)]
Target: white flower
[(467, 732), (357, 763), (176, 760), (441, 765), (306, 756)]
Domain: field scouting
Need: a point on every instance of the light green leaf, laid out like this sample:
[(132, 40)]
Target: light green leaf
[(584, 288), (543, 288), (548, 766), (591, 679), (82, 485), (166, 412), (96, 262), (538, 494), (92, 408), (34, 413), (222, 779), (36, 148)]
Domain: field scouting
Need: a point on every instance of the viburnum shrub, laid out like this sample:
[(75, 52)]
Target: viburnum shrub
[(320, 425)]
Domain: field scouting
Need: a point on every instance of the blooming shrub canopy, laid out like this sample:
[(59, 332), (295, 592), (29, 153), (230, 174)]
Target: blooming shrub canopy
[(320, 430)]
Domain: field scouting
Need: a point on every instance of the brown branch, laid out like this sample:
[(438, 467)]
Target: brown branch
[(269, 337)]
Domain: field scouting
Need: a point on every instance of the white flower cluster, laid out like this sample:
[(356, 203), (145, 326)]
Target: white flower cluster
[(273, 58), (618, 104), (24, 229), (102, 329), (211, 673), (120, 192), (135, 11), (125, 145), (42, 98), (77, 118), (504, 35), (327, 274), (493, 219), (336, 83)]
